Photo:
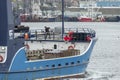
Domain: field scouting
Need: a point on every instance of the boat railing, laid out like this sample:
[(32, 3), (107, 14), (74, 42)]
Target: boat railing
[(49, 54), (80, 30), (40, 34)]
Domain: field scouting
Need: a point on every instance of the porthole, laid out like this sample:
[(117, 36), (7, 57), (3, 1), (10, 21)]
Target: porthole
[(72, 63), (47, 65), (66, 63), (78, 61), (53, 65), (59, 64)]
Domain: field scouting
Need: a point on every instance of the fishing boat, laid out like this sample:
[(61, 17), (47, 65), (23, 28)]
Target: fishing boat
[(85, 19), (42, 56)]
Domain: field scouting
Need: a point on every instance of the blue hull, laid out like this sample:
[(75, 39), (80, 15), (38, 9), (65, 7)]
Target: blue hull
[(46, 73), (28, 70)]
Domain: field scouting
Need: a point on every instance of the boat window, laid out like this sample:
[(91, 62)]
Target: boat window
[(53, 65), (47, 65), (72, 62), (66, 63), (59, 64), (78, 61), (55, 46)]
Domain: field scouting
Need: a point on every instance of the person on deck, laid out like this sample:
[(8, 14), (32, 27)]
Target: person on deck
[(47, 32), (67, 38), (88, 38), (70, 35)]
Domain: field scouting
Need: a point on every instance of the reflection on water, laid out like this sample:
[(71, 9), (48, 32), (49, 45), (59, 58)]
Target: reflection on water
[(104, 62)]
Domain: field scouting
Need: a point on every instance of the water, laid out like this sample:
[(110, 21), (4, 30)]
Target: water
[(104, 62)]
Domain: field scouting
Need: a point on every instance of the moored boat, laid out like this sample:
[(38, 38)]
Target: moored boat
[(42, 56), (85, 19)]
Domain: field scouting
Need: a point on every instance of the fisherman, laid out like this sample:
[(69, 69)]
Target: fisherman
[(70, 35), (67, 38), (88, 38), (47, 32), (26, 36)]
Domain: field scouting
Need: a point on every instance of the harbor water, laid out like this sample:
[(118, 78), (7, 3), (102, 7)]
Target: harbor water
[(105, 59)]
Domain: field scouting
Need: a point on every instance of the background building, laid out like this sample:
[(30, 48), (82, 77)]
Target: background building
[(73, 8)]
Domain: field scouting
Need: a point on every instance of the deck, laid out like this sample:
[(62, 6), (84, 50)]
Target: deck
[(53, 45), (49, 50)]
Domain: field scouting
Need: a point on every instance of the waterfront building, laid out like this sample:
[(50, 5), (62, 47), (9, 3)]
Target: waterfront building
[(108, 3), (76, 8)]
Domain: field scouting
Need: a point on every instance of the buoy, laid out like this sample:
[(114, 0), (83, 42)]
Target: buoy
[(70, 47), (1, 58), (26, 36), (27, 46)]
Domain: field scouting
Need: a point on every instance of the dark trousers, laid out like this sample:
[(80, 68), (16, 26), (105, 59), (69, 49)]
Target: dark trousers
[(47, 34)]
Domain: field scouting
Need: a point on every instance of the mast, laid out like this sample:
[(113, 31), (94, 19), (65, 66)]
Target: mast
[(62, 18)]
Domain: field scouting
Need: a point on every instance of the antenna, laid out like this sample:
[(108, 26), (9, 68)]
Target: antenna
[(62, 18)]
